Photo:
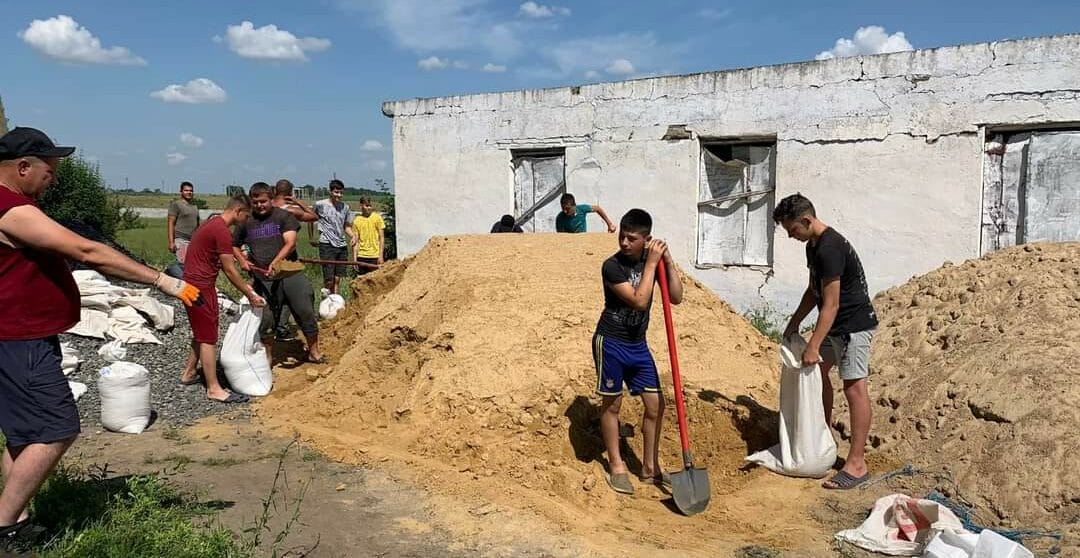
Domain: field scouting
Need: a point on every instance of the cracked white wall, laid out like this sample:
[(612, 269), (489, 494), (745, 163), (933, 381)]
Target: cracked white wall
[(888, 147)]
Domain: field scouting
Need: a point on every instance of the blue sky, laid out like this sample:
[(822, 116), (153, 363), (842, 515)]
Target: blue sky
[(303, 99)]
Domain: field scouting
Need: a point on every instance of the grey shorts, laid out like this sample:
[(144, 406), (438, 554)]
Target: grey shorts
[(850, 352)]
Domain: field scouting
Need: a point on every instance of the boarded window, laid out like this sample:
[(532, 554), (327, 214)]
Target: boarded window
[(735, 201), (1031, 188), (539, 180)]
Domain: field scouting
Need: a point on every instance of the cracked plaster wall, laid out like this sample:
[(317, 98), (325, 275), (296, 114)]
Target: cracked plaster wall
[(888, 147)]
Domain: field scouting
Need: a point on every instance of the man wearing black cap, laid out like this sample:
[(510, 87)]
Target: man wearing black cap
[(38, 301)]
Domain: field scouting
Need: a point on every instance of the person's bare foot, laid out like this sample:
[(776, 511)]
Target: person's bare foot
[(189, 377)]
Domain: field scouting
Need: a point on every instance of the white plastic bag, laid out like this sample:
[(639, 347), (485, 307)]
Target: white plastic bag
[(330, 306), (113, 351), (78, 389), (806, 447), (243, 356), (900, 525), (69, 358), (987, 544), (124, 388)]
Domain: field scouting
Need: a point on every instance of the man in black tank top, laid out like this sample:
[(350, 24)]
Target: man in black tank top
[(845, 323)]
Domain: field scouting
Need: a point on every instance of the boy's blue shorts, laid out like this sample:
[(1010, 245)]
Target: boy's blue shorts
[(618, 362)]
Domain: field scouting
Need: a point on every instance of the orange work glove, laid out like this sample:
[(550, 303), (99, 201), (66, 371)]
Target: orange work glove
[(178, 288)]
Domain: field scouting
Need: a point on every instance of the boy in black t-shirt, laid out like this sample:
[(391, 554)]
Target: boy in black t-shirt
[(845, 324), (620, 353)]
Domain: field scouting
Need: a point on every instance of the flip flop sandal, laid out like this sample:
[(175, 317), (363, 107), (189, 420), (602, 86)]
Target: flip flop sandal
[(620, 483), (663, 479), (844, 481), (320, 360), (198, 380), (20, 536), (234, 398)]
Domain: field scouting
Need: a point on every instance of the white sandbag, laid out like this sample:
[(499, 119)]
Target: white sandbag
[(113, 351), (900, 525), (243, 357), (78, 389), (330, 306), (124, 388), (69, 358), (92, 323), (127, 325), (806, 447), (160, 314)]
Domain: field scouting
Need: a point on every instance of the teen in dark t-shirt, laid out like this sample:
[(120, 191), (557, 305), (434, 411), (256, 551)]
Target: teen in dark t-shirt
[(620, 353), (845, 324)]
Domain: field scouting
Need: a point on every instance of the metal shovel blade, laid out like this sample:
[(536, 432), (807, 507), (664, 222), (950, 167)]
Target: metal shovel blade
[(690, 490)]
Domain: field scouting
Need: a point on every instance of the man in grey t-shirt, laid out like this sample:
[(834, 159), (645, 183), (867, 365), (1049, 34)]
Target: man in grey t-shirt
[(183, 220), (335, 220)]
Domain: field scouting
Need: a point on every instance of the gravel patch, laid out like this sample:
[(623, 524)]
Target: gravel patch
[(174, 404)]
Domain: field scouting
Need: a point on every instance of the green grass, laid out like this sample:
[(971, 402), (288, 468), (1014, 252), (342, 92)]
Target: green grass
[(766, 321), (92, 515)]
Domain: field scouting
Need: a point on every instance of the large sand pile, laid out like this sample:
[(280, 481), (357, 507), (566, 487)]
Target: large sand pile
[(471, 362), (975, 369)]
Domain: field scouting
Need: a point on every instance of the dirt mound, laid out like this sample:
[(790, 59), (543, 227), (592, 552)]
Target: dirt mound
[(974, 369), (471, 362)]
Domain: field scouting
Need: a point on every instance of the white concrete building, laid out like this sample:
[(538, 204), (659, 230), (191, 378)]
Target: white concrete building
[(916, 157)]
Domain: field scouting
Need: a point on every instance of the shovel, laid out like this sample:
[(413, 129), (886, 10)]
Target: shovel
[(690, 486)]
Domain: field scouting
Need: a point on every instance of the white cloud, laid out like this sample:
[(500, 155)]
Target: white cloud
[(460, 65), (620, 67), (867, 40), (371, 145), (426, 27), (714, 14), (534, 10), (493, 68), (191, 140), (270, 43), (592, 74), (612, 52), (432, 63), (175, 158), (62, 38), (376, 164), (199, 90)]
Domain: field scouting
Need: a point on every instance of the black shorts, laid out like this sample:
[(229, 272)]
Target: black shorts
[(331, 252), (361, 270), (36, 404), (294, 292)]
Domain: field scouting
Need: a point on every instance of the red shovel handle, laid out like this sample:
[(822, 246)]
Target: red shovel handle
[(676, 378)]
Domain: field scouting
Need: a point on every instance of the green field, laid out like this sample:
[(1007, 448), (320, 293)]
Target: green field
[(151, 244)]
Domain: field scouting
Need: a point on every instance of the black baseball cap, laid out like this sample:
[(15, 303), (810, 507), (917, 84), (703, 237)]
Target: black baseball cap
[(30, 142)]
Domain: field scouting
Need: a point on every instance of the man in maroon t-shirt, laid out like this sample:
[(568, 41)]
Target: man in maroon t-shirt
[(38, 301), (210, 251)]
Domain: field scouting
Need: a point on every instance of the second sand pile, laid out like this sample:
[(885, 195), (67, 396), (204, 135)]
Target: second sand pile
[(974, 372)]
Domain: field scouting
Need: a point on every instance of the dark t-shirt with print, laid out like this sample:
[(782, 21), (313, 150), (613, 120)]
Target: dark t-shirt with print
[(263, 234), (833, 256), (619, 320)]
